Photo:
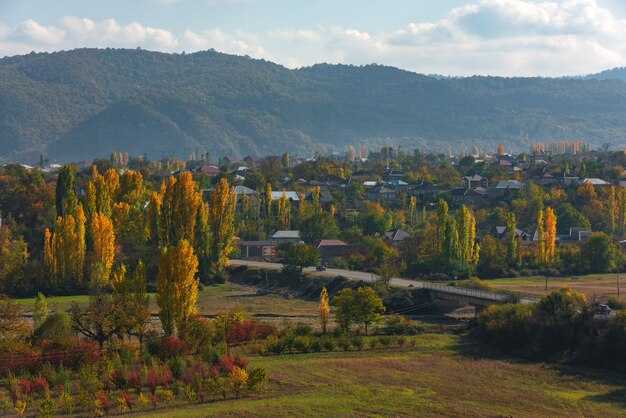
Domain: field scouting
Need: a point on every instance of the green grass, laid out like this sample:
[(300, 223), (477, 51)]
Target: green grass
[(436, 378), (211, 300)]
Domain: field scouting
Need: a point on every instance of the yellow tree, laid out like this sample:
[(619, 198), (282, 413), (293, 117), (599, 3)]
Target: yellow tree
[(611, 207), (49, 262), (550, 236), (268, 208), (316, 194), (65, 255), (412, 212), (154, 215), (324, 310), (284, 212), (177, 287), (179, 208), (222, 202), (103, 238)]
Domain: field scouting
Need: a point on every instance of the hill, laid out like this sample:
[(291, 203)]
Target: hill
[(85, 103)]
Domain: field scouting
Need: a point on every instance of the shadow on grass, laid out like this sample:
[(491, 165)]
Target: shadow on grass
[(616, 398)]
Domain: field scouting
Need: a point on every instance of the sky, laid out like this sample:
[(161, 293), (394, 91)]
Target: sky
[(448, 37)]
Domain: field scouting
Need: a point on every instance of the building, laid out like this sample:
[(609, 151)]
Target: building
[(259, 250), (474, 182), (331, 249), (380, 194), (285, 237)]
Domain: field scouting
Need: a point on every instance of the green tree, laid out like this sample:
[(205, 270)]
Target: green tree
[(41, 310), (600, 253), (511, 240), (320, 225), (296, 257), (66, 200)]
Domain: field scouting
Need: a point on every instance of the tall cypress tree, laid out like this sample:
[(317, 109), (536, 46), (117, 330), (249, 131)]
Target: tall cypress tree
[(66, 201)]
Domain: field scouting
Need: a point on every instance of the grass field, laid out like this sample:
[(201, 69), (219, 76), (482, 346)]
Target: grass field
[(440, 376), (211, 300), (599, 286)]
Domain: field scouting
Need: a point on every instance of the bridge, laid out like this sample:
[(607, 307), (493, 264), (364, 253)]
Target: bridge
[(447, 294)]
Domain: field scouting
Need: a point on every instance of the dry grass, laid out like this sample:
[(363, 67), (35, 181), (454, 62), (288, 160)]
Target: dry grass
[(433, 379)]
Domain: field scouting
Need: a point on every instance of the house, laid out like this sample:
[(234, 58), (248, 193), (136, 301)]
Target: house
[(474, 182), (566, 179), (292, 197), (463, 196), (424, 190), (525, 238), (574, 235), (595, 182), (504, 188), (380, 194), (396, 236), (393, 173), (285, 237), (331, 249), (260, 250), (207, 170)]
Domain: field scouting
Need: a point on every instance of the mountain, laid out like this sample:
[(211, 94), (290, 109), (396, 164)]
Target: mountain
[(618, 73), (84, 103)]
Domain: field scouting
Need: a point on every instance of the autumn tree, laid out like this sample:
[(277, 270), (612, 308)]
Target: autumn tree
[(178, 210), (467, 237), (268, 208), (324, 310), (412, 215), (177, 287), (103, 238), (222, 203), (64, 250), (442, 216), (13, 260), (284, 212), (541, 240), (549, 236), (295, 257)]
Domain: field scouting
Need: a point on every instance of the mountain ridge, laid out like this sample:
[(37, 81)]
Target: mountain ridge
[(83, 103)]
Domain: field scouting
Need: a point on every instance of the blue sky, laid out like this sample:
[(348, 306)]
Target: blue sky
[(452, 37)]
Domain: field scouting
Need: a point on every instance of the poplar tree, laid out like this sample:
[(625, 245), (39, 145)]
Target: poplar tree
[(222, 202), (103, 238), (511, 239), (550, 236), (179, 208), (442, 215), (268, 208), (177, 287), (66, 201), (324, 310), (541, 243), (412, 212), (284, 212)]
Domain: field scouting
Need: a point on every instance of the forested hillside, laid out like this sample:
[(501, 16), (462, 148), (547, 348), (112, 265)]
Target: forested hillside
[(85, 103)]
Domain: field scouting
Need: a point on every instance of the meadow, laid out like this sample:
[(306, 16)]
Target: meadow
[(441, 375)]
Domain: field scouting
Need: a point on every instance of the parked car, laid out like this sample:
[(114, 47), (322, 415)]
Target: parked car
[(321, 267), (603, 309)]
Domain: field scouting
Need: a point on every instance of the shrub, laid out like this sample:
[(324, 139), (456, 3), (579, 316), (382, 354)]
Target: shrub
[(275, 345), (385, 340), (66, 400), (358, 342), (506, 326), (373, 342), (400, 340), (102, 402), (152, 380), (344, 342), (56, 326), (616, 304), (47, 407), (165, 377), (134, 379), (210, 354), (303, 330), (237, 380), (329, 343), (40, 385), (171, 347), (302, 343), (316, 345), (177, 366), (226, 364), (257, 378), (142, 400)]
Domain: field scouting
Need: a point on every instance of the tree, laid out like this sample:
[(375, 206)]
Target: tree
[(511, 239), (13, 260), (285, 160), (412, 215), (64, 250), (178, 210), (41, 310), (600, 253), (442, 215), (320, 225), (541, 240), (12, 325), (177, 287), (101, 320), (103, 238), (268, 207), (467, 237), (361, 306), (66, 200), (323, 310), (222, 203), (550, 236), (296, 257), (284, 212)]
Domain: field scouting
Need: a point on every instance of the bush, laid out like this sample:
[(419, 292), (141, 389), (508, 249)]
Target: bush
[(328, 343), (477, 284), (57, 325), (385, 340), (303, 329), (506, 326), (316, 345), (302, 343), (171, 347), (344, 342), (358, 342), (616, 304)]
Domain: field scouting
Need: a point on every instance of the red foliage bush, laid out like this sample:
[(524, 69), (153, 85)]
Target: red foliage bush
[(152, 380), (134, 379), (249, 330), (240, 362), (166, 376), (119, 378), (74, 354), (39, 385), (129, 400), (153, 399), (226, 364), (19, 358), (104, 402), (172, 347), (25, 387)]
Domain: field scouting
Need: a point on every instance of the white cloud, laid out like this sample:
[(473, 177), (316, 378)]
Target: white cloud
[(503, 37)]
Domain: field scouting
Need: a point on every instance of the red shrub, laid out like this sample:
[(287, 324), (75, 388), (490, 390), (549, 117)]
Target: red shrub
[(248, 330), (153, 399), (25, 388), (19, 358), (152, 380), (129, 400), (166, 376), (242, 363), (226, 364), (172, 347), (39, 385), (104, 402), (134, 379)]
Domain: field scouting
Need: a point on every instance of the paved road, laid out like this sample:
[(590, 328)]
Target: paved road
[(357, 275)]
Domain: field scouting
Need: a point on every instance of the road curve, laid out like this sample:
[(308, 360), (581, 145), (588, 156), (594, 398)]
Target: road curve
[(356, 275)]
